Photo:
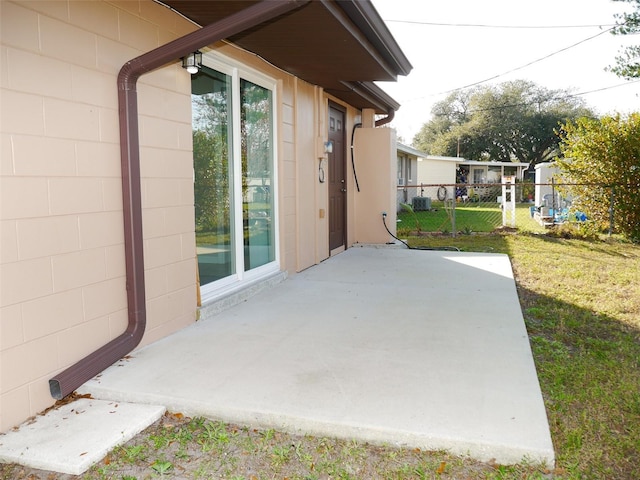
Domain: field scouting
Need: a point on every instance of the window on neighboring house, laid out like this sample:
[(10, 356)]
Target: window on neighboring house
[(234, 170), (401, 167)]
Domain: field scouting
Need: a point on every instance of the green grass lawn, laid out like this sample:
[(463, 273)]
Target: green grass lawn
[(469, 217), (581, 304)]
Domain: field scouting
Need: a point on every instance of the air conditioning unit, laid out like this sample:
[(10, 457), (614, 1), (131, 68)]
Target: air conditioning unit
[(421, 203)]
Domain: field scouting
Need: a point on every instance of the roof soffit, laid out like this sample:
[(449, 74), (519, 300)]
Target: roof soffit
[(324, 42)]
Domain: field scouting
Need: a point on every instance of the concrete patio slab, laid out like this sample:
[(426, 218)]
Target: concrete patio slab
[(419, 348), (72, 438)]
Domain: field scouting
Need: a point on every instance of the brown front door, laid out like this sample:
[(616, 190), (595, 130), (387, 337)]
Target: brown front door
[(337, 179)]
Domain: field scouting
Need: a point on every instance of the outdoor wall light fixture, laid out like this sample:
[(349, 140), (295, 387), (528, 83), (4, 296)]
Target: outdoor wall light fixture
[(192, 62)]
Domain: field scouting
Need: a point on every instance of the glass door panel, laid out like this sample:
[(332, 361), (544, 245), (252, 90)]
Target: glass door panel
[(213, 171), (256, 121)]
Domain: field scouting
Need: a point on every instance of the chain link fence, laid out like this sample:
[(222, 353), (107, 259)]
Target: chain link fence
[(464, 208)]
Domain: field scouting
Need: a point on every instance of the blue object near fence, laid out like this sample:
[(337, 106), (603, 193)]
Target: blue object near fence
[(581, 217)]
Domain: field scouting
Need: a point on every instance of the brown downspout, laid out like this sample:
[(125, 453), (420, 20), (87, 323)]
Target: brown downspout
[(67, 381), (383, 121)]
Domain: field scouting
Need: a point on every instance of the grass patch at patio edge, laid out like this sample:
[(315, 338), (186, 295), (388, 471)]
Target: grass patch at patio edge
[(581, 304)]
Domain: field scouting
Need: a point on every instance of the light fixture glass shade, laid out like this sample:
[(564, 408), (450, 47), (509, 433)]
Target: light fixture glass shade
[(192, 62)]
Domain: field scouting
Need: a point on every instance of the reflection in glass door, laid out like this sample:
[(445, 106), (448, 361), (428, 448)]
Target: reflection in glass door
[(257, 174), (213, 169)]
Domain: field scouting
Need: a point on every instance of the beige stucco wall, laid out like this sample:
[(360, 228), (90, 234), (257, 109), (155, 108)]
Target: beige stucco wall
[(375, 153), (62, 290)]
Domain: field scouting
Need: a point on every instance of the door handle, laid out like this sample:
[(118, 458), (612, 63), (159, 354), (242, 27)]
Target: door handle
[(343, 190)]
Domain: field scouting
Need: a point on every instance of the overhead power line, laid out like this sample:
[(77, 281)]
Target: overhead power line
[(479, 25), (604, 88), (525, 65)]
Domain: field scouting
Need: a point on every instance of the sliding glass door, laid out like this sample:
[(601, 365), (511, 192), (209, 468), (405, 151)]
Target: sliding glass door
[(233, 151)]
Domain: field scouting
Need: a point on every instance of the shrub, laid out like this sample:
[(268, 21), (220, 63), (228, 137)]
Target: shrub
[(605, 153)]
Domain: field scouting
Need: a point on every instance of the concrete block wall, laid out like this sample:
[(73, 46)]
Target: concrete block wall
[(62, 285)]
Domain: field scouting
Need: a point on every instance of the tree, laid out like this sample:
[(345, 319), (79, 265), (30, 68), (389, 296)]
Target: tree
[(211, 188), (448, 116), (628, 62), (605, 152), (513, 121), (211, 162)]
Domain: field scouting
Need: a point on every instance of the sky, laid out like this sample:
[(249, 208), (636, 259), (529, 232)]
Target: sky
[(449, 57)]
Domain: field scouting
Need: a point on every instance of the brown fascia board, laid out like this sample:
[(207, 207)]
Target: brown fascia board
[(373, 96), (360, 28), (374, 90), (368, 20)]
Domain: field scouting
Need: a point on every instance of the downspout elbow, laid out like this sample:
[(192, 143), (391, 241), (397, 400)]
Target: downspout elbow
[(128, 76), (388, 119)]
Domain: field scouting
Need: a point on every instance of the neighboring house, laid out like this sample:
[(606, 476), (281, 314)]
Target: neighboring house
[(437, 174), (108, 239), (407, 174), (484, 173)]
